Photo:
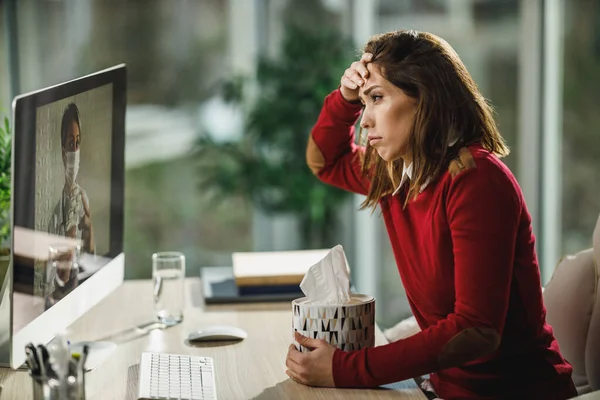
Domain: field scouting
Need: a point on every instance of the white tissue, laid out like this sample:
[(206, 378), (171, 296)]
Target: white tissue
[(328, 282)]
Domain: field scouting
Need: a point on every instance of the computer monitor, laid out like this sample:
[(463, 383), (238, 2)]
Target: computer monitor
[(68, 189)]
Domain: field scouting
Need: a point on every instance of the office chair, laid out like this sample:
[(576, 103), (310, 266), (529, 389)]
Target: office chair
[(573, 310)]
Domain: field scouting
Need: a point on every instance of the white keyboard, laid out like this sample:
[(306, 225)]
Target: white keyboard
[(173, 376)]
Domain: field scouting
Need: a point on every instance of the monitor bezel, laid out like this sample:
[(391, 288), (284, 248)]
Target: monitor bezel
[(23, 201)]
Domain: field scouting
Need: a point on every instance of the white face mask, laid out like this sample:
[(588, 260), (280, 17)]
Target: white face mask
[(72, 165)]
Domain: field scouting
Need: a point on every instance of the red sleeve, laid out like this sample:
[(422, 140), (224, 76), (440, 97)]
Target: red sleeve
[(483, 208), (335, 151)]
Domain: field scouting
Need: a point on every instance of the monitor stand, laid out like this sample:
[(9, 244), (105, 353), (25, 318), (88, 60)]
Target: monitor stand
[(98, 352)]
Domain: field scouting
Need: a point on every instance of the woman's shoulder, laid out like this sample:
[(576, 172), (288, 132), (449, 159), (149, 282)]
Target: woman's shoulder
[(475, 157), (476, 180), (474, 164)]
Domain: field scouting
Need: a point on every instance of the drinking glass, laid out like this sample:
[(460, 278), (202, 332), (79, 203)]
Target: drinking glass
[(62, 270), (168, 273), (63, 263)]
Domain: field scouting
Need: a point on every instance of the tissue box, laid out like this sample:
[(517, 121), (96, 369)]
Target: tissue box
[(348, 326)]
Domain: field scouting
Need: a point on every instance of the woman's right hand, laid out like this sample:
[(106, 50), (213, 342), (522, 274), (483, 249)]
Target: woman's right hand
[(354, 77)]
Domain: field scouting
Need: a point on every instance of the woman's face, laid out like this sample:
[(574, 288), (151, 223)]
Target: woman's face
[(387, 116), (72, 142)]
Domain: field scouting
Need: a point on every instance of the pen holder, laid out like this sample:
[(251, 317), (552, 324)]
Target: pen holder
[(50, 388)]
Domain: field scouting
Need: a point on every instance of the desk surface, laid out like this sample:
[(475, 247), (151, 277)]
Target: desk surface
[(251, 369), (589, 396)]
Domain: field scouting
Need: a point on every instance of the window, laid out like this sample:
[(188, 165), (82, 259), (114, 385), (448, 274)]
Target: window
[(180, 54), (581, 124)]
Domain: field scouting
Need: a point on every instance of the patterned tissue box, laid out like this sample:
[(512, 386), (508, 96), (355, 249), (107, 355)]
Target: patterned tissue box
[(349, 326)]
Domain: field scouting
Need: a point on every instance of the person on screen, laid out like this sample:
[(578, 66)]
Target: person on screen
[(72, 216), (457, 221)]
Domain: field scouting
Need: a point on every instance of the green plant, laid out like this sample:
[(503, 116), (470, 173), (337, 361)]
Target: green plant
[(268, 164), (5, 162)]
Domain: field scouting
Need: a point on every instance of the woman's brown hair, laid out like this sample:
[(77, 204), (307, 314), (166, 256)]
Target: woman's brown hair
[(451, 112)]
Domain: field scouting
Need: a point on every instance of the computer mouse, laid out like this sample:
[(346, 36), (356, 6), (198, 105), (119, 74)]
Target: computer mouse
[(216, 333)]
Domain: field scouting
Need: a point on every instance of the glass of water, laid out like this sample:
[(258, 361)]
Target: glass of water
[(63, 262), (168, 274), (61, 272)]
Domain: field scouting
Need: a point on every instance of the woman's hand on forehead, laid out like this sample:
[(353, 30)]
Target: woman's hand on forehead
[(362, 64), (354, 77)]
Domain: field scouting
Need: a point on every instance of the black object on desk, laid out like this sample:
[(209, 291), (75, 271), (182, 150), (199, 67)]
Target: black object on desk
[(218, 286)]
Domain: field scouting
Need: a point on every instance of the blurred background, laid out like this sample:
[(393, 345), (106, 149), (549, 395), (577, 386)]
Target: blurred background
[(222, 95)]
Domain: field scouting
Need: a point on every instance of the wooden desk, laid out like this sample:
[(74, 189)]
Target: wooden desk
[(590, 396), (251, 369)]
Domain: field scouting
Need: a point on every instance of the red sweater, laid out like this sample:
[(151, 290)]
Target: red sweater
[(465, 253)]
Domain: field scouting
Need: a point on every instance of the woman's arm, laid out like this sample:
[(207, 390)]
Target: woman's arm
[(483, 208), (331, 153), (86, 226)]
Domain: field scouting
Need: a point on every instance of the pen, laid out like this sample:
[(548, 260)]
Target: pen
[(43, 358), (79, 374), (74, 367), (86, 350), (32, 359), (81, 365)]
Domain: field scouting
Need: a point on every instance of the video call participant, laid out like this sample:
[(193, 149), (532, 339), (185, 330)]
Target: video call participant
[(71, 216)]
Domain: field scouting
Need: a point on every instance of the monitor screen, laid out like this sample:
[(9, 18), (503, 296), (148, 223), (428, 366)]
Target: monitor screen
[(72, 177), (68, 189)]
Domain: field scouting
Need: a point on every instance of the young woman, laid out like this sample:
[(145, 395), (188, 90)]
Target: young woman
[(457, 222)]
